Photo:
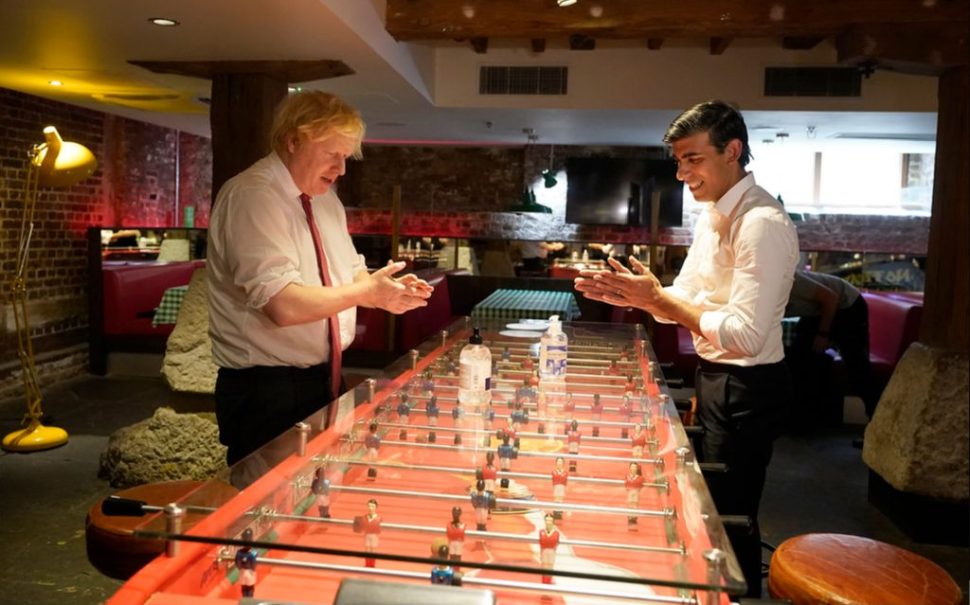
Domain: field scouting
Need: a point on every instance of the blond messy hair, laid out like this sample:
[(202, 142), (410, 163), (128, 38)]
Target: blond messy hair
[(315, 115)]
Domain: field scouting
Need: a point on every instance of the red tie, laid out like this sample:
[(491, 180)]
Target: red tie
[(336, 352)]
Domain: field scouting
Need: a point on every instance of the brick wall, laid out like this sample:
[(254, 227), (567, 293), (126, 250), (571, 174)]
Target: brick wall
[(134, 186)]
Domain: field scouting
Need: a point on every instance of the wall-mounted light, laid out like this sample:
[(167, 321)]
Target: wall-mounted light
[(56, 83), (549, 174), (163, 22)]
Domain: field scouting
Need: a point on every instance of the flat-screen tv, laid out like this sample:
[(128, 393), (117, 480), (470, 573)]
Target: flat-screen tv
[(618, 191)]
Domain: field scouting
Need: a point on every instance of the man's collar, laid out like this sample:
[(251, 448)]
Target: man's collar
[(283, 175), (729, 200)]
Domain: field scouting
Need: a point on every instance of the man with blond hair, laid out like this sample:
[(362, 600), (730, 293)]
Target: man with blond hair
[(285, 279)]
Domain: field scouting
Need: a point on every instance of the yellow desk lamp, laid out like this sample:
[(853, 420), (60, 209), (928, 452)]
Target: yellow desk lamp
[(55, 163)]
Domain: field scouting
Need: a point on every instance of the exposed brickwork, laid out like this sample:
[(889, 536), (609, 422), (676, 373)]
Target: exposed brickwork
[(133, 186)]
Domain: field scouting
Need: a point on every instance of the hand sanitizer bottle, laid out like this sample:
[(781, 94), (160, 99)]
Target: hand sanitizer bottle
[(475, 372)]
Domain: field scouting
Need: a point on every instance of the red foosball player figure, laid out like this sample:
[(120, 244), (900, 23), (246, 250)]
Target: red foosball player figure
[(370, 526), (482, 501), (373, 443), (246, 564), (633, 483), (631, 385), (321, 490), (534, 380), (489, 472), (527, 362), (596, 411), (626, 410), (560, 476), (568, 406), (573, 438), (639, 440), (548, 542), (614, 369), (455, 531)]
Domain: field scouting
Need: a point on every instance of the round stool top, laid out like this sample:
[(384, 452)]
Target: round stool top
[(850, 570)]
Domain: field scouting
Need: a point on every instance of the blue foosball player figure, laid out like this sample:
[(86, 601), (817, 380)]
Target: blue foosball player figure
[(443, 573), (506, 452), (246, 564), (519, 416), (482, 502), (428, 383), (457, 415), (321, 490), (432, 410)]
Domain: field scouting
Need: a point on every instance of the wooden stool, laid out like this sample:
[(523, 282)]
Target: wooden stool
[(111, 548), (837, 569)]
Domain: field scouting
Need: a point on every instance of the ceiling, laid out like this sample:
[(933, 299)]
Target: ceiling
[(407, 62)]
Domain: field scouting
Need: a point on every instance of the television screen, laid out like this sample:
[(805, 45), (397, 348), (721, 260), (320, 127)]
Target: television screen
[(618, 191)]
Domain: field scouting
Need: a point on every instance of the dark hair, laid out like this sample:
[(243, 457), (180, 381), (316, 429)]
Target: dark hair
[(720, 120)]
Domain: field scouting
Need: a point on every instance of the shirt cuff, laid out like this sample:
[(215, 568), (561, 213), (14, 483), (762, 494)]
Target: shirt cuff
[(710, 324)]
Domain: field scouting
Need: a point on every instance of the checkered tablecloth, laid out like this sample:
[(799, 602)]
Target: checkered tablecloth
[(527, 304), (168, 310), (789, 329)]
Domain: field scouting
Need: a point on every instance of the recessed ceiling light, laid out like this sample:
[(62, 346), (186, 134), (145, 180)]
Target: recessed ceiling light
[(565, 2), (293, 89), (163, 22), (56, 83)]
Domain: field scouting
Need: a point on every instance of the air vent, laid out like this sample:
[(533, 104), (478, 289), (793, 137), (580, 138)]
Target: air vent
[(813, 82), (508, 80)]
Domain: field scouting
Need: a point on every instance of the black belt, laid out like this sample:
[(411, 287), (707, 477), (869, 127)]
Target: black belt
[(281, 372), (713, 367)]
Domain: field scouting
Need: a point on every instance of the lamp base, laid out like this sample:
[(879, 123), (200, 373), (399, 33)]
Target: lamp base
[(35, 438)]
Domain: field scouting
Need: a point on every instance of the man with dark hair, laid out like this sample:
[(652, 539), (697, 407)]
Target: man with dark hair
[(731, 294)]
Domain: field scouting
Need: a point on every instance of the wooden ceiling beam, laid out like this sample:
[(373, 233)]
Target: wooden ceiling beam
[(800, 42), (286, 71), (636, 19), (479, 45), (719, 45)]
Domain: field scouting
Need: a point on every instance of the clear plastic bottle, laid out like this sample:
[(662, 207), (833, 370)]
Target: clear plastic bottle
[(553, 351), (475, 372)]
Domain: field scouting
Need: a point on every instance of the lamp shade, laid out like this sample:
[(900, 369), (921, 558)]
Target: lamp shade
[(549, 179), (61, 163)]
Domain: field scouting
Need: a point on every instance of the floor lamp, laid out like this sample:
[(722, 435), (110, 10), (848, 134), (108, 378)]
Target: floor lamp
[(54, 163)]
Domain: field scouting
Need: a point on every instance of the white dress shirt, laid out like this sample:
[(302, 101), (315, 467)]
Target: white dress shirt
[(259, 242), (740, 279)]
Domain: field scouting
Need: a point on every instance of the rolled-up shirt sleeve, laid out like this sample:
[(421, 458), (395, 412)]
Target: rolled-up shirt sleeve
[(260, 253), (763, 270)]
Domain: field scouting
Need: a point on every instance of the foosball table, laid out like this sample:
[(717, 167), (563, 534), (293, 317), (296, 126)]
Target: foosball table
[(585, 492)]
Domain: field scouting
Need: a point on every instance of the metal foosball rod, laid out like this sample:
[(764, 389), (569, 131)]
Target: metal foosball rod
[(508, 474), (474, 533), (526, 454), (431, 428), (666, 513), (492, 582)]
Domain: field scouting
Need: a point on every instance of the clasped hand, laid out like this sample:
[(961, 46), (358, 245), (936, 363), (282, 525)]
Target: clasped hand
[(398, 294), (621, 287)]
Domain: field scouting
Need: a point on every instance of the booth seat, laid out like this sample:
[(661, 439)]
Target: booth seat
[(894, 320), (411, 328), (132, 291)]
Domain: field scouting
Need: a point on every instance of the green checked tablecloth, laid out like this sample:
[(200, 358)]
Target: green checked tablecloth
[(527, 304), (789, 329), (168, 310)]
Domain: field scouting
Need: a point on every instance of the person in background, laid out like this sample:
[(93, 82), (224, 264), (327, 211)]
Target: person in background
[(284, 278), (834, 312), (731, 294)]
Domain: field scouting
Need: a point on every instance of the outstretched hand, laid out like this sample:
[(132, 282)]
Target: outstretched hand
[(622, 287), (398, 294)]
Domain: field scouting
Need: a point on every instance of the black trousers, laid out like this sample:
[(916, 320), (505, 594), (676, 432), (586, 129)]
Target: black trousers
[(255, 405), (850, 335), (742, 410)]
